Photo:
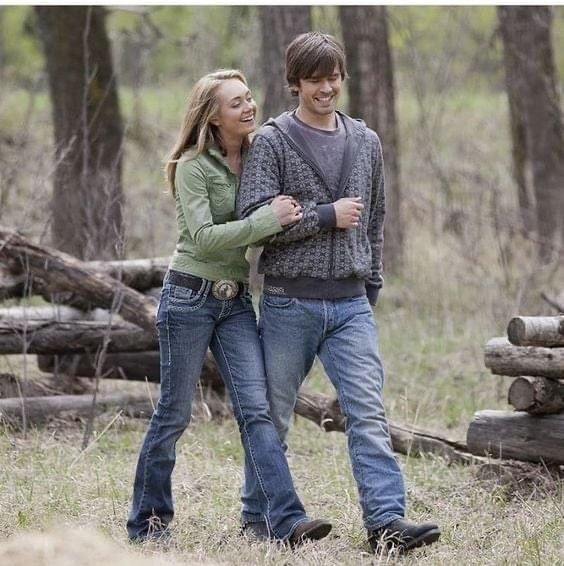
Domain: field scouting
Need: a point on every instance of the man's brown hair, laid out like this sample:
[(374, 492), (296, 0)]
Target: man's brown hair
[(310, 54)]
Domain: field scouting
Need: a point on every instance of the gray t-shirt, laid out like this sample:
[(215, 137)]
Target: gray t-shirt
[(328, 148)]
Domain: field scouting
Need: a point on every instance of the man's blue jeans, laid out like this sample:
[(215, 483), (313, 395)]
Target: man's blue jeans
[(343, 333), (188, 322)]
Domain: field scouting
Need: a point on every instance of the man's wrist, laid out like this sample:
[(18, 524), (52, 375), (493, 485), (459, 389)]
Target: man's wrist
[(327, 215)]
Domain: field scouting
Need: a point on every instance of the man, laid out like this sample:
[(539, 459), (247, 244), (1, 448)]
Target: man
[(322, 275)]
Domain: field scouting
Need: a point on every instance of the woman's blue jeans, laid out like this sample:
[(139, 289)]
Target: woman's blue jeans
[(189, 322)]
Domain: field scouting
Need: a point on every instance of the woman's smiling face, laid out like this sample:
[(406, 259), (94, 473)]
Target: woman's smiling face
[(237, 109)]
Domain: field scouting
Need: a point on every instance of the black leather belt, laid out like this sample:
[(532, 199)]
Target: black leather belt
[(223, 289)]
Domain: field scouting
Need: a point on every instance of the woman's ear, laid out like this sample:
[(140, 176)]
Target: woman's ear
[(215, 121)]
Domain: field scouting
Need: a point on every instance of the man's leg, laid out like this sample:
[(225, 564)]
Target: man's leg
[(349, 354), (290, 331), (237, 350)]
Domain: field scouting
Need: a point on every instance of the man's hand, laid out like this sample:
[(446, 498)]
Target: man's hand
[(348, 211), (287, 209)]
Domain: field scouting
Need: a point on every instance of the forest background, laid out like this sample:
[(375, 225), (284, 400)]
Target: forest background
[(468, 264)]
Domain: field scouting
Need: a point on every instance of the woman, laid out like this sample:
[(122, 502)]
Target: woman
[(205, 303)]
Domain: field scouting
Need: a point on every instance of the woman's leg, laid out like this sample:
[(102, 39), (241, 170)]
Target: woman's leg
[(236, 348), (185, 328)]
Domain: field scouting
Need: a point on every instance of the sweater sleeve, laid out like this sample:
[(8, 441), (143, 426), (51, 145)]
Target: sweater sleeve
[(376, 225), (191, 191), (261, 182)]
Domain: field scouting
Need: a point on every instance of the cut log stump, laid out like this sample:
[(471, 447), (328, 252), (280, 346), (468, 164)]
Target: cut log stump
[(537, 395), (545, 331)]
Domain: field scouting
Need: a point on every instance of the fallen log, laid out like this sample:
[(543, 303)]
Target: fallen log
[(38, 410), (14, 386), (132, 366), (139, 274), (537, 395), (37, 337), (545, 331), (502, 358), (60, 272), (55, 313), (517, 436), (326, 412)]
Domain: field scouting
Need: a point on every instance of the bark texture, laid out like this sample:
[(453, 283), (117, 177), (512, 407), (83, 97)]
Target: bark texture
[(87, 194), (537, 395), (547, 331), (372, 98), (132, 366), (38, 410), (279, 26), (325, 411), (502, 358), (60, 272), (38, 337), (519, 436), (533, 94)]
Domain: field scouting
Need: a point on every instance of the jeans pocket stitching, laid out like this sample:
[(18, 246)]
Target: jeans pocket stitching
[(267, 300)]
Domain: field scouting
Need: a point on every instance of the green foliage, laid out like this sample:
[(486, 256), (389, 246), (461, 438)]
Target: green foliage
[(21, 52)]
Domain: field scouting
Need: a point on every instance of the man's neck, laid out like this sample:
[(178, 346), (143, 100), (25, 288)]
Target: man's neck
[(321, 122)]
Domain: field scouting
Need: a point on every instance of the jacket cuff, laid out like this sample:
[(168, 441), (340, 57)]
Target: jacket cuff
[(327, 216), (372, 294)]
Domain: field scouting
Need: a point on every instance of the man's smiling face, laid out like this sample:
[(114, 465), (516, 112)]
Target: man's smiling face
[(318, 94)]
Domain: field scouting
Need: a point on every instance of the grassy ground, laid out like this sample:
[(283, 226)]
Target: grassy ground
[(460, 287)]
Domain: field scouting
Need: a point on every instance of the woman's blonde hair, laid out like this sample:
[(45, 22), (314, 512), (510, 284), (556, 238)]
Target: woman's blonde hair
[(197, 131)]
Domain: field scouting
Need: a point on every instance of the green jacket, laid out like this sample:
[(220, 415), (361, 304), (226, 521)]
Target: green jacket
[(211, 242)]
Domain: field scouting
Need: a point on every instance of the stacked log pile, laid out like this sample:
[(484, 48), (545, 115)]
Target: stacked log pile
[(533, 353), (100, 323)]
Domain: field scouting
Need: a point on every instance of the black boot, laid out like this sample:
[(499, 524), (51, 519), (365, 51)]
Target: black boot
[(403, 535)]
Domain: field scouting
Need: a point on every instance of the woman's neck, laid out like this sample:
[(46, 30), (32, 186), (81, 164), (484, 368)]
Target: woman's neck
[(232, 149)]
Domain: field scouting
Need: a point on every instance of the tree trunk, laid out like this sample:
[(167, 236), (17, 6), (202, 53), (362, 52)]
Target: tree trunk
[(60, 272), (326, 412), (537, 395), (519, 150), (87, 195), (526, 34), (502, 358), (372, 97), (519, 436), (279, 26), (546, 331)]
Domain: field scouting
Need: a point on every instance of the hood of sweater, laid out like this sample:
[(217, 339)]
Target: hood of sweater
[(355, 131)]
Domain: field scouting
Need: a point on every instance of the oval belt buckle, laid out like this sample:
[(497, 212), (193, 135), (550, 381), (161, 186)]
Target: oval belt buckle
[(225, 289)]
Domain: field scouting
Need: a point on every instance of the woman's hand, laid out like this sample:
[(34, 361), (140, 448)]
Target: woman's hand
[(348, 211), (287, 209)]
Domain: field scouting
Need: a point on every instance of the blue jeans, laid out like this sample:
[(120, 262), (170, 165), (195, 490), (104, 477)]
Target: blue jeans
[(189, 321), (343, 333)]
